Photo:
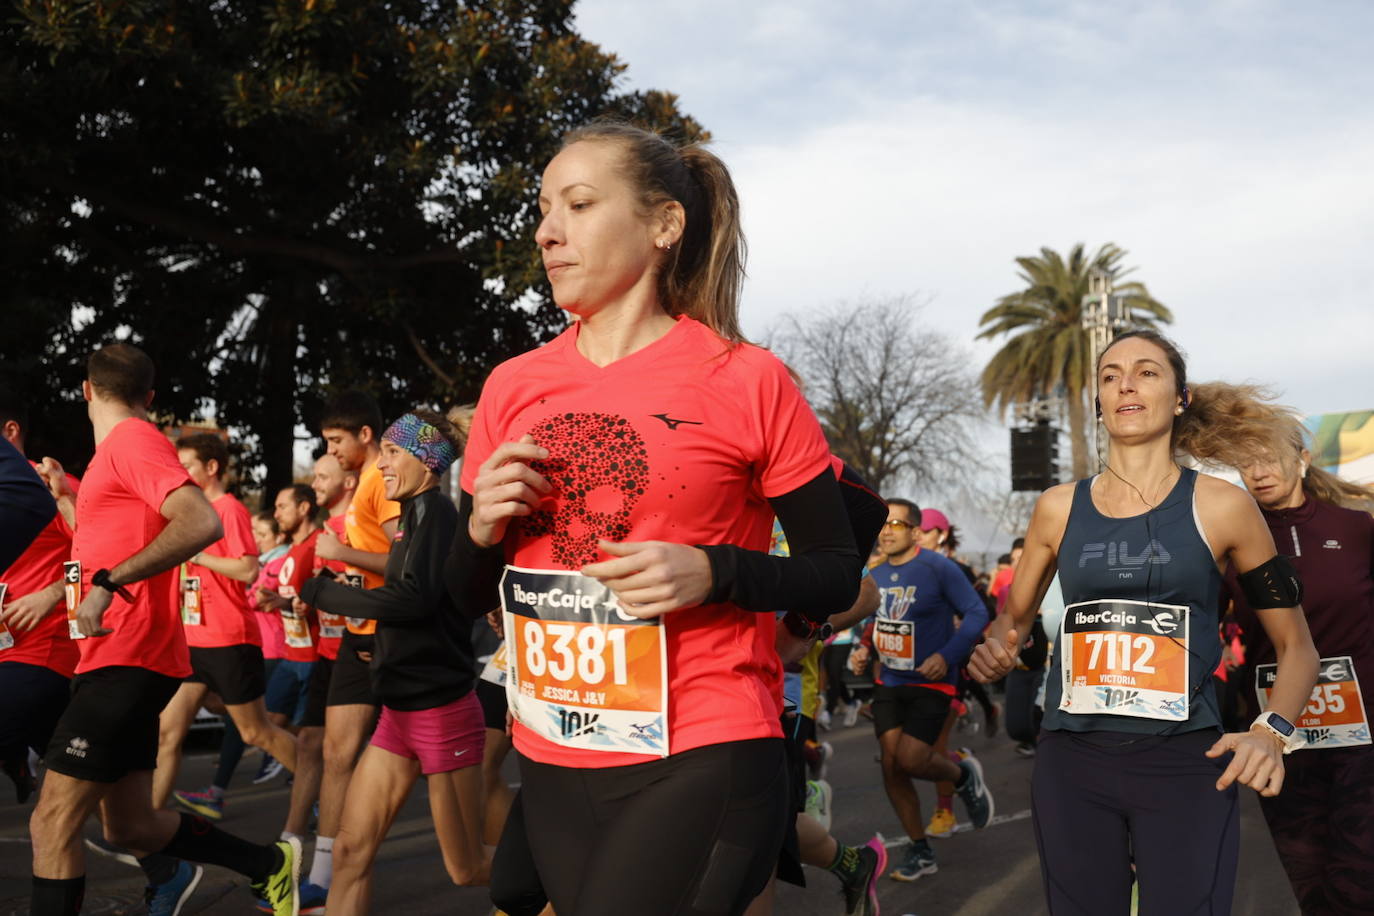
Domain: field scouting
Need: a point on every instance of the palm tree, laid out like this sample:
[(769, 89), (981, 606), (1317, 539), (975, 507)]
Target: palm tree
[(1050, 348)]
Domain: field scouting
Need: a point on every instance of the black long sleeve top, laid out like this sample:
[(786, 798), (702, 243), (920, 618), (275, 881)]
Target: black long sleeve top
[(423, 655), (26, 506)]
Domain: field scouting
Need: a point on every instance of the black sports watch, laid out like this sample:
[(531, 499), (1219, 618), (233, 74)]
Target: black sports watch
[(806, 628), (103, 580)]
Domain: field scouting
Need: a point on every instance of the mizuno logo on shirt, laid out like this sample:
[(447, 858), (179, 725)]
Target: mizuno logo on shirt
[(672, 423)]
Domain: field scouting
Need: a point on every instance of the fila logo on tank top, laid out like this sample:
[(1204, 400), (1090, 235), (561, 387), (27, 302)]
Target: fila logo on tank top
[(1139, 638)]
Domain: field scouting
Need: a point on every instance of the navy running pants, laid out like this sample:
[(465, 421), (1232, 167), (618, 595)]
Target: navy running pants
[(1103, 800)]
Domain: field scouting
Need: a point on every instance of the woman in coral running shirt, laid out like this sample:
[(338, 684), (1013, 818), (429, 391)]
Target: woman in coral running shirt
[(643, 678)]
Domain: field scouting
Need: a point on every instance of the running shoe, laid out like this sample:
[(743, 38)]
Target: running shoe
[(861, 894), (941, 823), (269, 770), (974, 792), (818, 795), (823, 719), (820, 764), (918, 861), (281, 889), (851, 714), (1025, 749), (207, 804), (104, 847), (313, 898), (168, 898)]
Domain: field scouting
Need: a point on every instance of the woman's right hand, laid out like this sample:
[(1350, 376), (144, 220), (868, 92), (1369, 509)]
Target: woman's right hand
[(506, 487), (995, 656)]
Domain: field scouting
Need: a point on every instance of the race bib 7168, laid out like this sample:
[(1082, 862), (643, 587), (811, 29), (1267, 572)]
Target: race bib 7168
[(583, 673), (895, 641), (1125, 658)]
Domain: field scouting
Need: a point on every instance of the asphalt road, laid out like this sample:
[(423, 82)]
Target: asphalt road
[(993, 871)]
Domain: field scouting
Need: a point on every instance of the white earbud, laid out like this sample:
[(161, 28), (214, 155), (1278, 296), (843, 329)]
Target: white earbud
[(1304, 469)]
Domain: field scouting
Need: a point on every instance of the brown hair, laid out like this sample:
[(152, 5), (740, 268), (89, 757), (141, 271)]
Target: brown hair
[(460, 418), (121, 372), (444, 425), (207, 446), (1239, 424), (701, 275)]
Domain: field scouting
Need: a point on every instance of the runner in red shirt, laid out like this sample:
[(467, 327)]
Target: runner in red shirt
[(351, 426), (288, 690), (37, 658), (133, 658), (224, 639), (334, 489), (644, 679)]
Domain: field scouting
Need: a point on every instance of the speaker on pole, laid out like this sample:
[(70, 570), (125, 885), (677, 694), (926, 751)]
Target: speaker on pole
[(1034, 457)]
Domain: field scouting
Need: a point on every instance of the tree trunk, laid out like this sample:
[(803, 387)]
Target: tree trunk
[(1078, 435), (278, 424)]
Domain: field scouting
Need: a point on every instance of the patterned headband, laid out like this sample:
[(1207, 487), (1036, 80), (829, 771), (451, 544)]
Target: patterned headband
[(424, 441)]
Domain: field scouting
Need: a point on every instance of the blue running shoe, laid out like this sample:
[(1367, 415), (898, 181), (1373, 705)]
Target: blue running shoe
[(919, 860), (313, 898), (168, 898), (974, 792)]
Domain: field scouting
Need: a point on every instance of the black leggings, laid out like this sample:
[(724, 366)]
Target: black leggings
[(693, 834), (1100, 803), (835, 658)]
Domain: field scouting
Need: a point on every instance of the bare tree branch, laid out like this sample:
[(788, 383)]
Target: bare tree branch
[(897, 404)]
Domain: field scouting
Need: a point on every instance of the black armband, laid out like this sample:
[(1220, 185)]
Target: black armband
[(1274, 583)]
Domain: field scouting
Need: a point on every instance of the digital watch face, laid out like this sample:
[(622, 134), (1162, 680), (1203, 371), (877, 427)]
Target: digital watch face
[(1280, 725)]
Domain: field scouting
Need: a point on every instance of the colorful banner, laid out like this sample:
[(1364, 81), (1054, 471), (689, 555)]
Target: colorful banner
[(1343, 443)]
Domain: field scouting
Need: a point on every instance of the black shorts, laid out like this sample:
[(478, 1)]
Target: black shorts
[(494, 704), (34, 698), (351, 684), (796, 731), (110, 727), (918, 711), (317, 693), (599, 843), (236, 673)]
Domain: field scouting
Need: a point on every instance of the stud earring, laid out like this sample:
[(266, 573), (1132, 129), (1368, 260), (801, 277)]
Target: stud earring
[(1178, 411)]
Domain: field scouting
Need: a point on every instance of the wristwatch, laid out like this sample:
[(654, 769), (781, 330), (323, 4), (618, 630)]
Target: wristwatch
[(102, 579), (806, 628), (1281, 728)]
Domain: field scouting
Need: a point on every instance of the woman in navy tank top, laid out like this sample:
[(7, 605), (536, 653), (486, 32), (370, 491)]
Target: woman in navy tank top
[(1133, 768)]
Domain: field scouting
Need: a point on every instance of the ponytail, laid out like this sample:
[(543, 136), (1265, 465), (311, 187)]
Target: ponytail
[(702, 275)]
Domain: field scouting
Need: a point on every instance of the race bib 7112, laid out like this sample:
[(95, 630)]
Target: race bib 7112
[(1125, 658), (583, 673)]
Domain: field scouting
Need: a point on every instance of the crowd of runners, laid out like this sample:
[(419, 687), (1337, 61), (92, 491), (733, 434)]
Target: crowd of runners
[(659, 587)]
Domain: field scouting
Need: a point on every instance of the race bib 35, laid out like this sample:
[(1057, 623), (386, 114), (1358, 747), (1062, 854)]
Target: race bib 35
[(1334, 716)]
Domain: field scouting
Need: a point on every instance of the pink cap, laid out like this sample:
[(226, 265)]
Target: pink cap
[(933, 518)]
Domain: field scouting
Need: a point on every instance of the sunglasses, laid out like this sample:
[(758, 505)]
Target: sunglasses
[(897, 523)]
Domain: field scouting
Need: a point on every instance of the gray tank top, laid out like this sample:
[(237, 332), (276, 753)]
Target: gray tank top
[(1161, 558)]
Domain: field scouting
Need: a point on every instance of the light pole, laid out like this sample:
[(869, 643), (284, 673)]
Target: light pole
[(1104, 315)]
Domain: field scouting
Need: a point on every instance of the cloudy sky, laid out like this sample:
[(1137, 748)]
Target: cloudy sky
[(917, 147)]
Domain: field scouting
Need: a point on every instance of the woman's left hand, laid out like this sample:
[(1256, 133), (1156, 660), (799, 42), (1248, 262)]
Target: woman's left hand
[(651, 578), (1258, 761)]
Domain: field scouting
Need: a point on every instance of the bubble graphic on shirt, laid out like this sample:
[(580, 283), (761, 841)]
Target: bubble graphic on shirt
[(599, 469)]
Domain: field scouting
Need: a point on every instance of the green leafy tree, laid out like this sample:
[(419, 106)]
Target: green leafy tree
[(1048, 350), (280, 199)]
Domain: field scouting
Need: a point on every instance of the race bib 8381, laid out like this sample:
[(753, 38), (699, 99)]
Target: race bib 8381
[(1125, 658), (583, 673)]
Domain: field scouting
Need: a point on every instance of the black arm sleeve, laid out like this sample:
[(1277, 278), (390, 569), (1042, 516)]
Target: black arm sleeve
[(413, 592), (26, 506), (820, 578), (472, 573)]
